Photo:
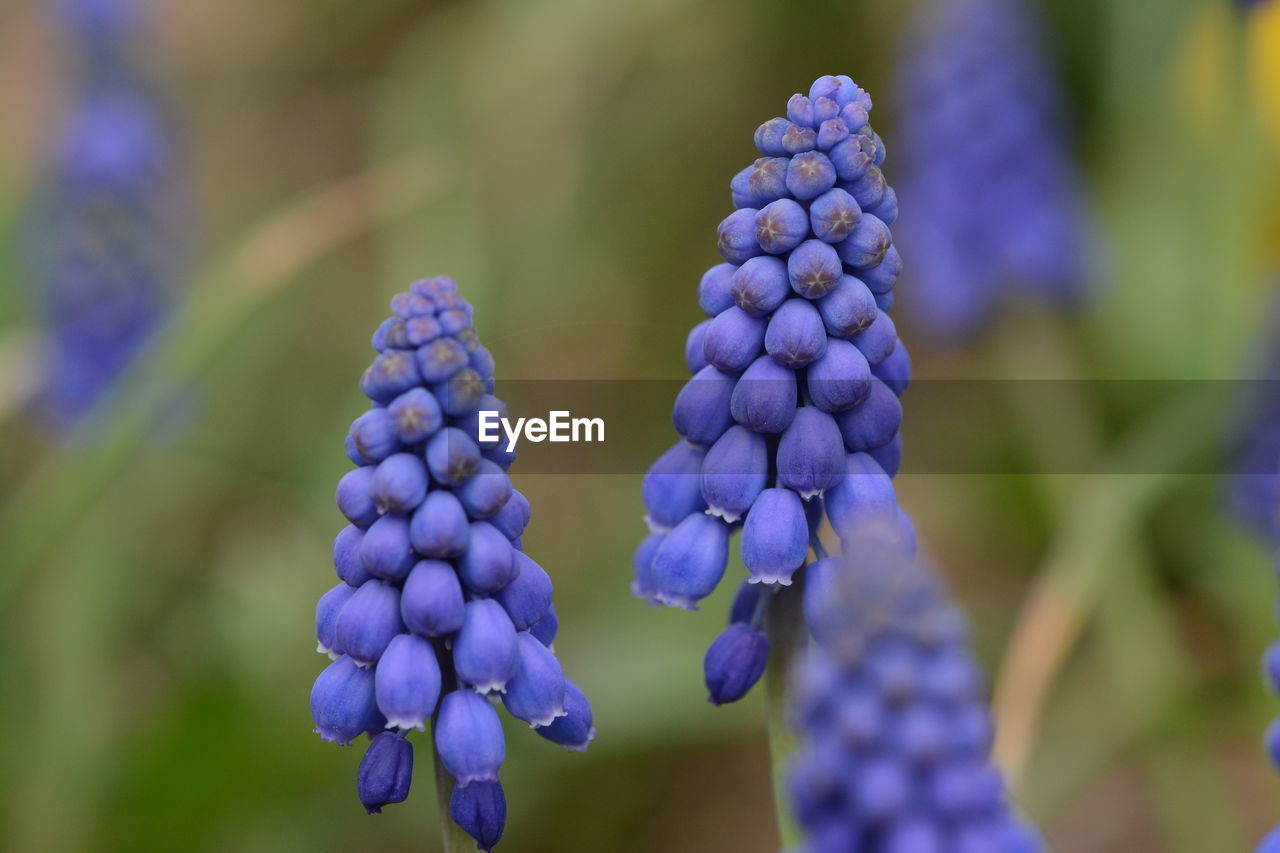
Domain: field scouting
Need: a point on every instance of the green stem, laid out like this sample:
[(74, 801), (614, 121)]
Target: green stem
[(784, 625)]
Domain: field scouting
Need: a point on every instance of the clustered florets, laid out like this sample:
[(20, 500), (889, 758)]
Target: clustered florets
[(793, 406), (438, 609)]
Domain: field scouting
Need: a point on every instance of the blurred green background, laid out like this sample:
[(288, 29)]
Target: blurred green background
[(568, 163)]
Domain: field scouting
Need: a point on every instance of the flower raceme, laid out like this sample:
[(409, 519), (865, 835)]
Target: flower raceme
[(438, 612), (792, 411)]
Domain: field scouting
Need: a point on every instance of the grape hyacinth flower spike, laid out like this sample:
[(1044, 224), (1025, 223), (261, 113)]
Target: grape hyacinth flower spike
[(438, 614), (792, 413), (893, 722)]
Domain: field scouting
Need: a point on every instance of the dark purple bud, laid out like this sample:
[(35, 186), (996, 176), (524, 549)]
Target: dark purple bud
[(671, 488), (881, 278), (889, 456), (452, 456), (781, 226), (399, 483), (769, 137), (831, 132), (407, 682), (386, 551), (867, 245), (385, 772), (734, 663), (733, 340), (734, 472), (874, 422), (848, 308), (736, 236), (439, 527), (431, 603), (811, 453), (644, 585), (346, 555), (368, 622), (745, 602), (810, 174), (864, 494), (468, 737), (536, 693), (775, 537), (834, 215), (481, 810), (461, 393), (877, 341), (355, 496), (895, 369), (415, 414), (373, 435), (798, 140), (713, 289), (391, 374), (512, 519), (485, 654), (485, 494), (764, 400), (766, 181), (573, 731), (421, 330), (800, 110), (887, 210), (701, 413), (327, 610), (342, 702), (490, 561), (796, 336), (690, 561), (545, 629), (813, 269), (528, 597), (760, 285), (841, 379), (693, 357), (851, 158), (441, 358)]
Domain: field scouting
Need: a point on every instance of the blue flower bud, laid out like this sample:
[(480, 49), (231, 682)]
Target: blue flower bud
[(736, 236), (834, 215), (874, 422), (869, 189), (760, 285), (877, 341), (481, 810), (734, 663), (368, 622), (693, 357), (810, 174), (671, 488), (881, 278), (500, 456), (485, 654), (419, 331), (765, 181), (887, 210), (775, 537), (546, 628), (342, 702), (764, 400), (768, 137), (800, 110), (536, 693), (482, 362), (824, 109), (894, 369), (813, 269), (734, 472), (407, 682), (644, 584), (851, 157), (392, 373), (864, 493), (490, 561), (1272, 741), (739, 191), (811, 453), (452, 456), (353, 453), (798, 140), (386, 550), (373, 435), (917, 837), (733, 340), (701, 413), (796, 336), (439, 527), (841, 379), (355, 496), (713, 289), (441, 358), (346, 556), (690, 561), (848, 308), (468, 737), (528, 597), (431, 603), (513, 517), (867, 245), (746, 601), (889, 456), (886, 301), (781, 225), (573, 731), (486, 493), (461, 393), (831, 132), (399, 483), (415, 414), (327, 610), (385, 772)]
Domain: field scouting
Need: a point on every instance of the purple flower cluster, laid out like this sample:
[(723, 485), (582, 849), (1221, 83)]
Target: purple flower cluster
[(1271, 673), (438, 610), (106, 228), (793, 406), (893, 720), (985, 165)]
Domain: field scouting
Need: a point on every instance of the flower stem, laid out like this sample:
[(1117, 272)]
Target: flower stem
[(784, 625)]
